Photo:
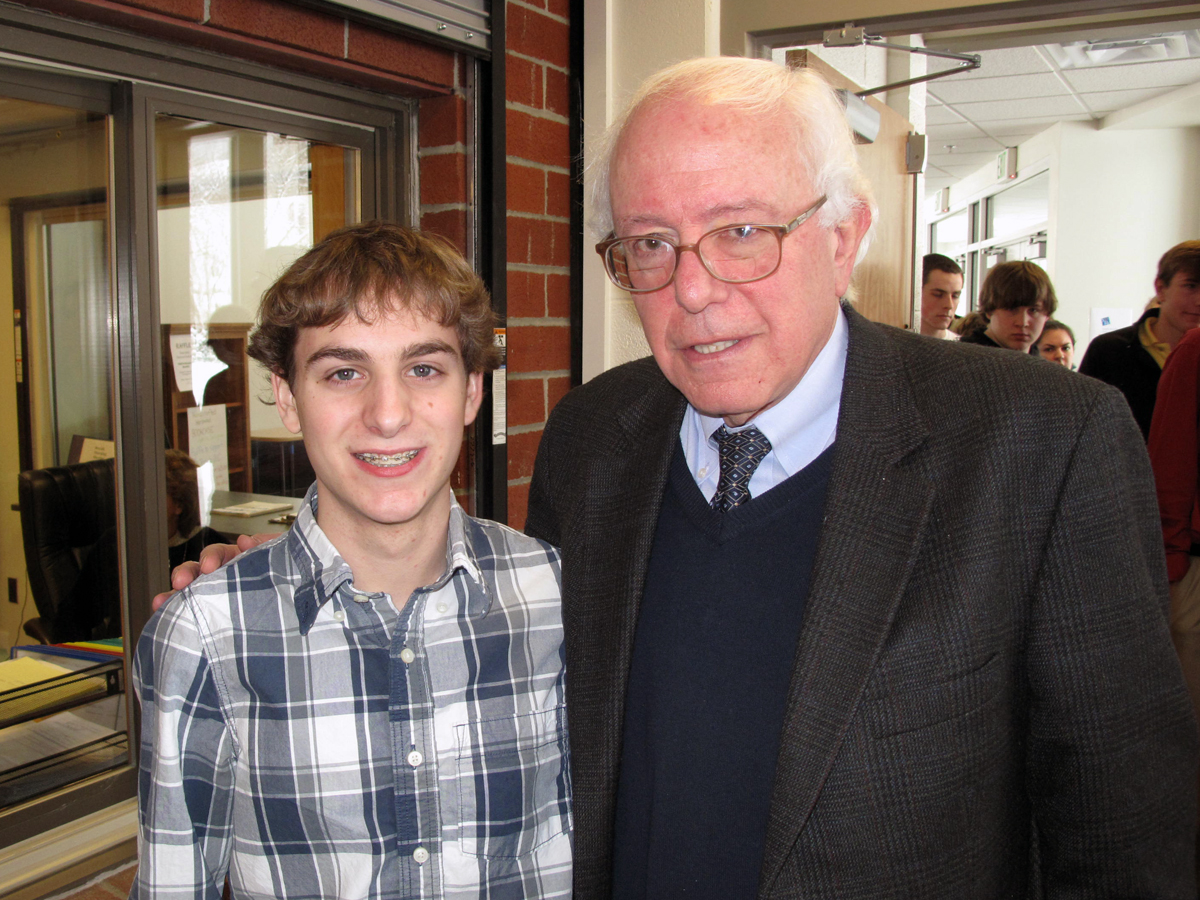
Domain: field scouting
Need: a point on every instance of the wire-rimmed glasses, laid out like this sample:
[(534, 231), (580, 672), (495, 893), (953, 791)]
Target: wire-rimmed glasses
[(736, 254)]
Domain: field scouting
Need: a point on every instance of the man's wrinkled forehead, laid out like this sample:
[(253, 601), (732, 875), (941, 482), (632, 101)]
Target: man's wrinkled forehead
[(736, 163)]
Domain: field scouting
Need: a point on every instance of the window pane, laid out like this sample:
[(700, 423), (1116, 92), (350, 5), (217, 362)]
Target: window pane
[(952, 234), (235, 208), (1021, 209), (60, 548)]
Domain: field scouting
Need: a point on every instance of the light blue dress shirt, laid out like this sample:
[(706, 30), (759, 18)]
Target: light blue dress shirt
[(800, 427)]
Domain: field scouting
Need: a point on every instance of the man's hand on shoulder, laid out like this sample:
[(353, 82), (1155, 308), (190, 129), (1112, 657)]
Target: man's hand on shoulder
[(212, 558)]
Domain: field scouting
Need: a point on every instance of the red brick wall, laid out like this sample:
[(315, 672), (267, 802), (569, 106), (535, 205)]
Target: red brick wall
[(280, 33), (539, 228)]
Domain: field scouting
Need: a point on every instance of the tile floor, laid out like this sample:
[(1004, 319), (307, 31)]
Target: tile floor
[(111, 885)]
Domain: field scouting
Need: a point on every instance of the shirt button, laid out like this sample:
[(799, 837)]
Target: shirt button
[(361, 598), (339, 616), (421, 855), (703, 473), (442, 607), (415, 758), (407, 655)]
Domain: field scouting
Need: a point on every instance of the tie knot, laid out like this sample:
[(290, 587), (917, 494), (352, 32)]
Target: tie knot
[(741, 452)]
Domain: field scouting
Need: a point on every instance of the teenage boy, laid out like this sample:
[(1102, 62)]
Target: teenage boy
[(372, 704), (1131, 359), (1016, 298), (941, 286)]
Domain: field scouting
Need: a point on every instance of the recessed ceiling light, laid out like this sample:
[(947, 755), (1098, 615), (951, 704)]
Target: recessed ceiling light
[(1151, 48)]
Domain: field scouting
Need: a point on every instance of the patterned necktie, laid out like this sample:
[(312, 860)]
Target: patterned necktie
[(741, 452)]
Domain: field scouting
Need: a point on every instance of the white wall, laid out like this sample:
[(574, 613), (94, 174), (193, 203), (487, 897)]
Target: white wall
[(625, 41), (1119, 200)]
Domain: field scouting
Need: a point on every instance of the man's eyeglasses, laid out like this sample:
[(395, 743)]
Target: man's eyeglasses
[(736, 254)]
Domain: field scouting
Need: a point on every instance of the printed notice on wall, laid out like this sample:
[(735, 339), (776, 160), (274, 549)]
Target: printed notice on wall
[(181, 360), (500, 391), (207, 441), (1107, 318), (86, 449)]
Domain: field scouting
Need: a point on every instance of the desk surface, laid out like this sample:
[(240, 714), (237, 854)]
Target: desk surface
[(276, 436), (235, 525)]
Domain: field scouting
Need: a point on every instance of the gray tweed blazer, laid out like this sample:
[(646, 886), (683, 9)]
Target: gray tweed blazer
[(984, 700)]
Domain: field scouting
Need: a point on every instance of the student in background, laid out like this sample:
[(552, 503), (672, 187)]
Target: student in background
[(1057, 343), (941, 286), (1016, 299), (1131, 359), (1174, 448)]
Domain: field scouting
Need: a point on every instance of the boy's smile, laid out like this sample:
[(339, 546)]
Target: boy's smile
[(382, 406)]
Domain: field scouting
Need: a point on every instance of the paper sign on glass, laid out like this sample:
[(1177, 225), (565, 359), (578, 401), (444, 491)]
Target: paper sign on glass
[(207, 441), (181, 360)]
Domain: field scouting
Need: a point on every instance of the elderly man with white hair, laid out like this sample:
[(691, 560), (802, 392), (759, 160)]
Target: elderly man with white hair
[(849, 612)]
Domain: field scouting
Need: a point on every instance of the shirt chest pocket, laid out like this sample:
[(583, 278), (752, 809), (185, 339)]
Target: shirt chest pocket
[(513, 783)]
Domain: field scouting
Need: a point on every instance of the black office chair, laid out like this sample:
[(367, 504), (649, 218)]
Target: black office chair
[(69, 529)]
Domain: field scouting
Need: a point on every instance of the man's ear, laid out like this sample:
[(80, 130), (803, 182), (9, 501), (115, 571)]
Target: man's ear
[(848, 234), (285, 403), (474, 397), (1159, 287)]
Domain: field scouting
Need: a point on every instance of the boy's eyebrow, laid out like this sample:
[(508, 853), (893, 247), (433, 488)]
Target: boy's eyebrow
[(352, 354), (429, 348), (346, 354)]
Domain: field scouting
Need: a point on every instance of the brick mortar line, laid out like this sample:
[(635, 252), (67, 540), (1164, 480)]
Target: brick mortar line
[(533, 164), (443, 207), (519, 482), (525, 429), (538, 269), (539, 375), (536, 217), (537, 9), (543, 114), (537, 322), (441, 150), (537, 61)]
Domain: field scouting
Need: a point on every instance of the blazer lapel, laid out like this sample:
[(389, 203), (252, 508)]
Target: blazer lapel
[(875, 519)]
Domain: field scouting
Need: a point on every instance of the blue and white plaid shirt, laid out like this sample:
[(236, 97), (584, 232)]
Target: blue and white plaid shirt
[(312, 742)]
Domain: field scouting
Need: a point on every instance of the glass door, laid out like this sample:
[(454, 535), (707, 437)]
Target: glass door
[(62, 708)]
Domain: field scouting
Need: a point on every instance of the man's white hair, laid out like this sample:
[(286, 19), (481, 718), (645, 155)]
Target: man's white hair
[(823, 138)]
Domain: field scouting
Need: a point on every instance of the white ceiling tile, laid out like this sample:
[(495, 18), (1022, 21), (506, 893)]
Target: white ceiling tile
[(1015, 95), (934, 183), (961, 163), (1168, 73), (941, 115), (1029, 125), (957, 130), (1024, 107), (1010, 138), (1109, 101), (1012, 61), (959, 90), (970, 145)]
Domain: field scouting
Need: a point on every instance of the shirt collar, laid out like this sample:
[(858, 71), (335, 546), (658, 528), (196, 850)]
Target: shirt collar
[(322, 572), (1159, 350), (804, 423)]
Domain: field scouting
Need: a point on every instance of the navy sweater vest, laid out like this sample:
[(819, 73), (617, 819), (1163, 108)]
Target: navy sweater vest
[(712, 659)]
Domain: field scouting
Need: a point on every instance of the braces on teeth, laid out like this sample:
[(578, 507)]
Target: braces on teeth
[(379, 459)]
